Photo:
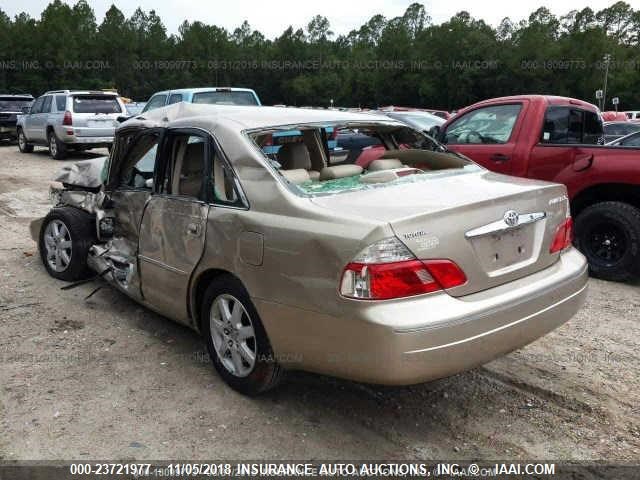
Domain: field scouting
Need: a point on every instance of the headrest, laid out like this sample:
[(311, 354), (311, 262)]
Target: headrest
[(294, 155), (297, 175), (384, 164)]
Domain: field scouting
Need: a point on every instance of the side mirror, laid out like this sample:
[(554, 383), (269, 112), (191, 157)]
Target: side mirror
[(26, 109), (122, 118), (435, 131)]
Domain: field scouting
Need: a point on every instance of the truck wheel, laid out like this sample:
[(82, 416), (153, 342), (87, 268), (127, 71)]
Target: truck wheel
[(608, 233), (66, 235), (236, 340), (57, 149), (23, 146)]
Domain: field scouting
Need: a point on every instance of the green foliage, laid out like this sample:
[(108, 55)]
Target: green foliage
[(405, 60)]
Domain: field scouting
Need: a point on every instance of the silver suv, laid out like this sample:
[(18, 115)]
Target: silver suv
[(63, 119)]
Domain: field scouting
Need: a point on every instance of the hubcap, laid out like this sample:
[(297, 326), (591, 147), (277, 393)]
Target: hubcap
[(233, 335), (21, 141), (57, 243), (608, 243), (52, 145)]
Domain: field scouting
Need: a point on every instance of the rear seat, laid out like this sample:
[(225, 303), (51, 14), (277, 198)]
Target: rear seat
[(384, 164), (340, 171), (295, 156)]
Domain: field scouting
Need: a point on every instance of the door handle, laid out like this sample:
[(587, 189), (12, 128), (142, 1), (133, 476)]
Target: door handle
[(499, 157), (194, 229)]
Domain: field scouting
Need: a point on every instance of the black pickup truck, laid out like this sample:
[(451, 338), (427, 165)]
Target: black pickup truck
[(10, 107)]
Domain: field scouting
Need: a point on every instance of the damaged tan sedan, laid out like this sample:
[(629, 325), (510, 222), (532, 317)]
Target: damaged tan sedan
[(344, 244)]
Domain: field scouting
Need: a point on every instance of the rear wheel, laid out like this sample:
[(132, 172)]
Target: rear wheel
[(608, 234), (57, 149), (66, 236), (236, 339), (23, 145)]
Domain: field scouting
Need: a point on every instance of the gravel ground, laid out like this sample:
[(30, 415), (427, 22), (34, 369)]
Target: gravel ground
[(107, 379)]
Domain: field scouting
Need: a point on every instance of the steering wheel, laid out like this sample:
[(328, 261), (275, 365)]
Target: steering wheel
[(470, 136)]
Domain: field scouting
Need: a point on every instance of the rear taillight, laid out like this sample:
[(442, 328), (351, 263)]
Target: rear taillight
[(67, 120), (563, 236), (387, 269)]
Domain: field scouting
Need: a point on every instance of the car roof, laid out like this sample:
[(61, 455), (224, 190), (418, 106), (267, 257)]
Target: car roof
[(244, 117), (203, 89), (550, 99)]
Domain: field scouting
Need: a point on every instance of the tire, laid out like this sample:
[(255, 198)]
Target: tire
[(23, 145), (608, 234), (65, 258), (57, 149), (248, 379)]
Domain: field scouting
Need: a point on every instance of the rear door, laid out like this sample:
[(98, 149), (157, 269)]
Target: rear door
[(488, 135), (39, 121), (172, 232), (564, 148)]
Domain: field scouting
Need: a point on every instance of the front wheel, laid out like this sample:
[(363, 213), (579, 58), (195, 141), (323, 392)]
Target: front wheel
[(236, 339), (608, 234), (57, 149), (66, 236), (23, 145)]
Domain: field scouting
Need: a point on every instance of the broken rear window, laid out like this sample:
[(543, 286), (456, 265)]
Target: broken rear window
[(333, 158)]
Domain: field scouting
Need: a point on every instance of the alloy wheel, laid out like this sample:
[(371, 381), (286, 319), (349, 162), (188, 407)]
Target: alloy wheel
[(57, 241), (233, 335)]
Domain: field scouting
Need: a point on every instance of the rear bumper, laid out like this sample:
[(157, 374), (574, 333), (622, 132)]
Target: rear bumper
[(85, 136), (431, 336)]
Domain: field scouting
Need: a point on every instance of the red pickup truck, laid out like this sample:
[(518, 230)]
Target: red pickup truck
[(560, 139)]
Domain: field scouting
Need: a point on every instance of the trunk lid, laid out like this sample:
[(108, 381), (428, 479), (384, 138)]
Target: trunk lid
[(462, 218)]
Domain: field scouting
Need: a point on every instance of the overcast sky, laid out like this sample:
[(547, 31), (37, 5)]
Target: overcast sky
[(271, 17)]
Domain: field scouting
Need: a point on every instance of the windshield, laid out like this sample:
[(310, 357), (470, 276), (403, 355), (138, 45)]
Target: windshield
[(14, 104), (225, 97), (421, 121), (96, 104), (334, 158)]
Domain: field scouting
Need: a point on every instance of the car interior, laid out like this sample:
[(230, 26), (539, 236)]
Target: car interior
[(306, 158)]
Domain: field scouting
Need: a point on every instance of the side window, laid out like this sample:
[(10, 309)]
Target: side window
[(224, 183), (61, 103), (140, 161), (175, 98), (593, 132), (633, 141), (156, 101), (186, 169), (37, 105), (563, 125), (46, 105), (491, 125)]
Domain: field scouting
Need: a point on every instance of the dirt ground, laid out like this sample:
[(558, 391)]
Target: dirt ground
[(107, 379)]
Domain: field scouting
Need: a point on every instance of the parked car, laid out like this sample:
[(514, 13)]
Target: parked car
[(10, 107), (208, 95), (559, 139), (419, 120), (631, 140), (615, 130), (64, 119), (422, 266), (633, 114)]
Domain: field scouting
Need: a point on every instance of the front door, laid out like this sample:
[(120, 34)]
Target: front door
[(487, 135), (172, 232)]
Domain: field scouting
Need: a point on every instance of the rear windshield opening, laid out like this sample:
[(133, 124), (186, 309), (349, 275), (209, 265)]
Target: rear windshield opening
[(14, 103), (329, 159), (225, 98), (95, 104)]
